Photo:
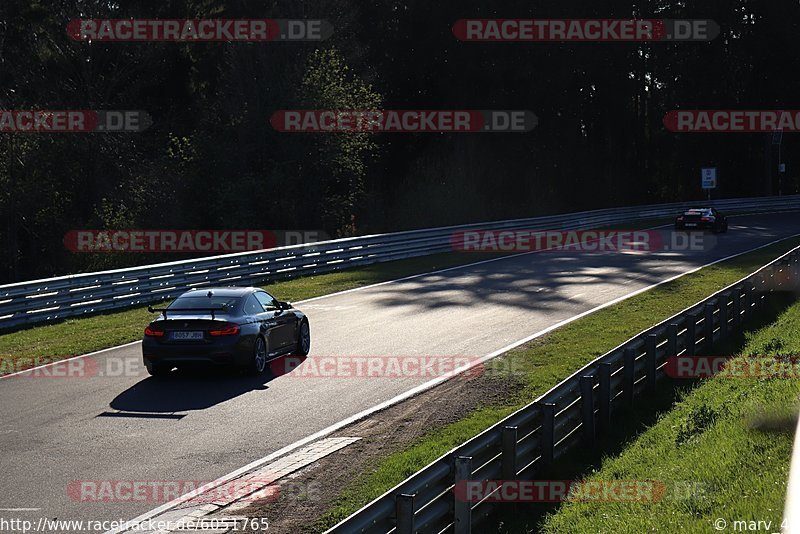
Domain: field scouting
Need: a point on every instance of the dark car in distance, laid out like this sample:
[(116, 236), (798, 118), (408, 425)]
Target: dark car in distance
[(240, 327), (702, 219)]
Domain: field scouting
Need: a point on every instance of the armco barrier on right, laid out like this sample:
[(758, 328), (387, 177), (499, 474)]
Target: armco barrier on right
[(54, 299), (572, 413)]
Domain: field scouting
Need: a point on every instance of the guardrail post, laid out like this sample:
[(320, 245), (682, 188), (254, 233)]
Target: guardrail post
[(737, 307), (548, 432), (650, 360), (747, 300), (405, 514), (587, 409), (628, 374), (744, 304), (769, 288), (508, 460), (758, 291), (754, 293), (708, 326), (605, 395), (672, 340), (723, 316), (462, 522), (760, 286), (691, 334)]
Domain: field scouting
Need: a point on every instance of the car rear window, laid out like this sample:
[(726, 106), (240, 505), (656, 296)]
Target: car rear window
[(196, 302)]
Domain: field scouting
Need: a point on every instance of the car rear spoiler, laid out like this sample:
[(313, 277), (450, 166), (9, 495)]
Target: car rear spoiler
[(163, 311)]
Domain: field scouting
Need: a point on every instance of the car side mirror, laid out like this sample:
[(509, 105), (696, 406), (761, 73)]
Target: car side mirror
[(284, 305)]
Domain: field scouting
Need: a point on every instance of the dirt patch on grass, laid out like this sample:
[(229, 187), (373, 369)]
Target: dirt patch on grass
[(382, 434)]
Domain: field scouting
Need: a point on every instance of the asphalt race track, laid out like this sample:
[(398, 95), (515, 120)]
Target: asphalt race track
[(115, 425)]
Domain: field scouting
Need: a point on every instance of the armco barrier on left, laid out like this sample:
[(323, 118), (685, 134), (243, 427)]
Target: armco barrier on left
[(54, 299)]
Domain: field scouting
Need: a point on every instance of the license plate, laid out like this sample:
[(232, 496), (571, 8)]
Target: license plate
[(187, 336), (690, 225)]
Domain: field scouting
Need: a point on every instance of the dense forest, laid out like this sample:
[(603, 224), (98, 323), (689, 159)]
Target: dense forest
[(211, 159)]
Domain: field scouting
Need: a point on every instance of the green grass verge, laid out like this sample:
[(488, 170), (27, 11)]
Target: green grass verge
[(730, 437), (546, 361), (88, 334)]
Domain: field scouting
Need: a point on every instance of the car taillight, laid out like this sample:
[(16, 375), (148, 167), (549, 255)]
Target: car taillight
[(153, 332), (231, 330), (706, 219)]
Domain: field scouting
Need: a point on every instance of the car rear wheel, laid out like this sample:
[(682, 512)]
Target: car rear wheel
[(304, 339), (259, 359)]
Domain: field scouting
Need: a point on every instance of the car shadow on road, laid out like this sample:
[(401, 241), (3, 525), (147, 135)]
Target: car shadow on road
[(196, 389)]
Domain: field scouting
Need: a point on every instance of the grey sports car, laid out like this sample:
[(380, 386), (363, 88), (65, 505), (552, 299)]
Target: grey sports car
[(243, 327)]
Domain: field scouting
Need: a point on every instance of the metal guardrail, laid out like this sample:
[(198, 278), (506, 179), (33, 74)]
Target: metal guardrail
[(53, 299), (571, 413)]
